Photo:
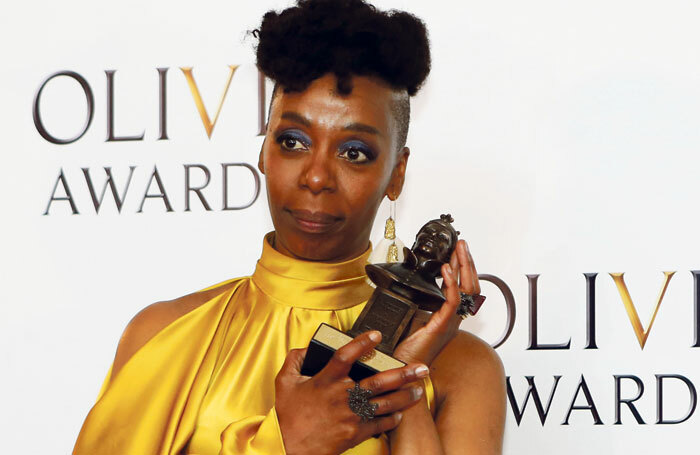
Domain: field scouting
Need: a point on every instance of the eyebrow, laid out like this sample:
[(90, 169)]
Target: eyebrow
[(355, 126), (298, 118), (362, 128)]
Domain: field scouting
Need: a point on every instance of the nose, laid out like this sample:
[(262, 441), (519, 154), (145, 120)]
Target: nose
[(318, 174)]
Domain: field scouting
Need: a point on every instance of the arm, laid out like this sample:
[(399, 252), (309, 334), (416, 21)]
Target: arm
[(467, 374), (470, 417), (471, 380), (417, 433)]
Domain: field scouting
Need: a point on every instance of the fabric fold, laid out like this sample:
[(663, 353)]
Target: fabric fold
[(204, 385), (255, 435)]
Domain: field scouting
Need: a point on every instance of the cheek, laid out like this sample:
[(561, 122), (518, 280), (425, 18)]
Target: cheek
[(369, 188), (279, 175), (364, 194)]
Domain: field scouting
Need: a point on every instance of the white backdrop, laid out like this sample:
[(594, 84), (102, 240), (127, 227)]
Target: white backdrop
[(564, 134)]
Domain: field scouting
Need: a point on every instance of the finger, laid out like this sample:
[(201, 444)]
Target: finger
[(394, 379), (341, 362), (449, 279), (379, 425), (477, 286), (451, 291), (454, 265), (293, 361), (397, 401), (441, 318), (466, 271), (290, 372)]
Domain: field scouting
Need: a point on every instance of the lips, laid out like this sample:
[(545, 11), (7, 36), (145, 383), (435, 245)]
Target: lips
[(313, 222)]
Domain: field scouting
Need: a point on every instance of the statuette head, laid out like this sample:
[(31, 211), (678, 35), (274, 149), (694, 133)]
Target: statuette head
[(436, 240)]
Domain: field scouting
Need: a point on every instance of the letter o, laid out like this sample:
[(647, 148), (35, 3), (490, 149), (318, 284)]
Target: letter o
[(510, 306), (90, 105)]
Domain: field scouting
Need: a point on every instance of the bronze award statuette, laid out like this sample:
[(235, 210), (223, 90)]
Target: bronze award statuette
[(405, 293)]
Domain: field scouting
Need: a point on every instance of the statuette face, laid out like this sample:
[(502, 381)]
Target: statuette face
[(435, 241)]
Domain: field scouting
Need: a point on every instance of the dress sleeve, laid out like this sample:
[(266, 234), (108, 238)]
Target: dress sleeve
[(255, 435)]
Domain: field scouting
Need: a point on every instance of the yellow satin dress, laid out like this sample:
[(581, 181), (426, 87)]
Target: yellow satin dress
[(204, 385)]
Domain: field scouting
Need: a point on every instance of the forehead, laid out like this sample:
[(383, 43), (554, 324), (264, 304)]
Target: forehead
[(370, 102), (434, 226)]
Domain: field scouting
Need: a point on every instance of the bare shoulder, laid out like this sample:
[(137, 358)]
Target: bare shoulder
[(154, 318), (467, 360), (469, 382)]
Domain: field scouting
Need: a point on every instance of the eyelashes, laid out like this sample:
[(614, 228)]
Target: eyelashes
[(290, 139), (354, 151), (357, 151)]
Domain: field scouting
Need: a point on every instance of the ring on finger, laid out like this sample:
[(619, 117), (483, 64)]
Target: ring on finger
[(469, 304), (358, 401)]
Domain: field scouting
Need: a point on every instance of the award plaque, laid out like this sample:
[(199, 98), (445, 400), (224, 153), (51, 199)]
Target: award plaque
[(406, 293)]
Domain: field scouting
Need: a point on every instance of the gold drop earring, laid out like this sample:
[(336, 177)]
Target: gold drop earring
[(389, 248)]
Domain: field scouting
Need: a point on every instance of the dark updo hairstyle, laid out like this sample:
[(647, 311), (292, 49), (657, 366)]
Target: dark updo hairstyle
[(344, 37)]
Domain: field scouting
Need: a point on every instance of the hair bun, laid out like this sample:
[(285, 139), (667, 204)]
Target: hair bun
[(345, 37)]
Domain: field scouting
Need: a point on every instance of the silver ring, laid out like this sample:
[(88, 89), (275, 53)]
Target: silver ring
[(469, 304), (358, 401)]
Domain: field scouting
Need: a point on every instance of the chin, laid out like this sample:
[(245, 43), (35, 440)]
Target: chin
[(314, 247)]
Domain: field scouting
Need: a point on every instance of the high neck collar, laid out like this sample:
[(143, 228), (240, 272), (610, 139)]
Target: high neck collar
[(309, 284)]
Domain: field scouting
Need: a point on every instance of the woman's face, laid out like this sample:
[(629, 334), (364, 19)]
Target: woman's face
[(329, 160)]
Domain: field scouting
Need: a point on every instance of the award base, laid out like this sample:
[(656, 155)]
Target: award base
[(388, 312), (328, 339)]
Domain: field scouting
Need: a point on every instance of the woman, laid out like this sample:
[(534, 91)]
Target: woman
[(218, 371)]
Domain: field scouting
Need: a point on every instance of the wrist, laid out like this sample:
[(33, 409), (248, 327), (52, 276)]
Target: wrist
[(410, 357), (410, 351)]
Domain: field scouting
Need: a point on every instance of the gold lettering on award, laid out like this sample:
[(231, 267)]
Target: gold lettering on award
[(208, 124), (641, 332)]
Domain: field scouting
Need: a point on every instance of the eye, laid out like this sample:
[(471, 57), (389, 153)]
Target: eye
[(356, 152), (292, 140)]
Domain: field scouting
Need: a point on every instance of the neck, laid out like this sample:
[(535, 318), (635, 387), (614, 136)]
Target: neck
[(281, 248)]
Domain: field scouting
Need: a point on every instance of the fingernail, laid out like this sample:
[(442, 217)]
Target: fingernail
[(375, 336), (449, 269), (422, 371), (416, 393), (398, 416)]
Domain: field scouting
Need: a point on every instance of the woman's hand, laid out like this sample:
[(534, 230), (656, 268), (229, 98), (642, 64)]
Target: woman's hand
[(425, 344), (313, 412)]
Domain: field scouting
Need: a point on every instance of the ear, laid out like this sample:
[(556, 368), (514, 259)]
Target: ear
[(261, 161), (395, 186)]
